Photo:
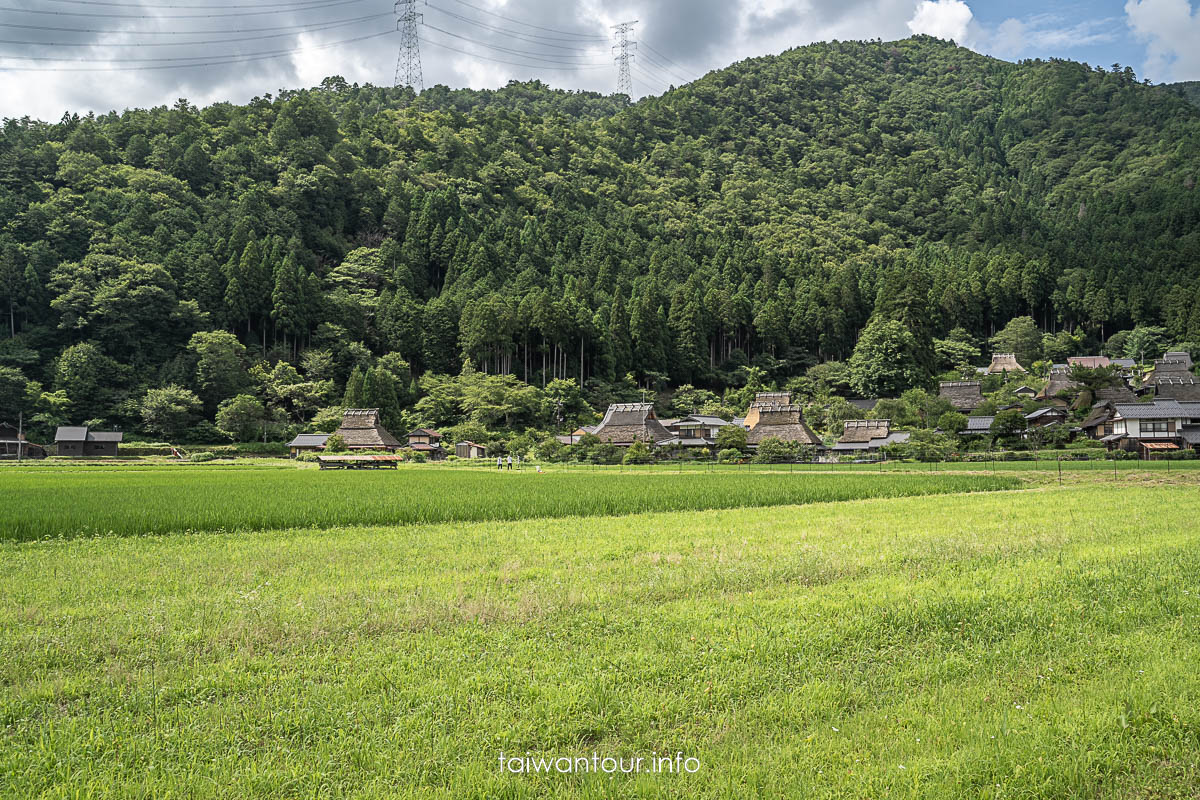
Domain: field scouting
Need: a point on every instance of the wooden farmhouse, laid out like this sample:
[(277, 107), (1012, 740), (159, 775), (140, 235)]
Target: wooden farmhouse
[(867, 436), (1154, 429), (429, 442), (769, 418), (361, 429), (626, 423), (80, 442)]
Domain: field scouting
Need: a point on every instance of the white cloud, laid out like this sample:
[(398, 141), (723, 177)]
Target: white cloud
[(1171, 30), (945, 19)]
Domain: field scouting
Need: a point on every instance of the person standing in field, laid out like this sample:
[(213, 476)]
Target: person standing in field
[(510, 461), (499, 463)]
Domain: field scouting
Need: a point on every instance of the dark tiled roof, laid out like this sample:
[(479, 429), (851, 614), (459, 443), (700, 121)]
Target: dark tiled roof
[(1041, 412), (68, 433), (1159, 409), (863, 403), (979, 424), (105, 436), (309, 440)]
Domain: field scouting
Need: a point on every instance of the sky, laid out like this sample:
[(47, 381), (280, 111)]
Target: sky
[(61, 56)]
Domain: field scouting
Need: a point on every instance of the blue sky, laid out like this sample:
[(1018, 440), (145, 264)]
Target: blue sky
[(82, 55)]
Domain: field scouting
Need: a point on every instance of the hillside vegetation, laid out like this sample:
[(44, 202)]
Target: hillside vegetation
[(764, 215)]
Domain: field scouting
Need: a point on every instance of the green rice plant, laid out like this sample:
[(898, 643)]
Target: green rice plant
[(38, 505)]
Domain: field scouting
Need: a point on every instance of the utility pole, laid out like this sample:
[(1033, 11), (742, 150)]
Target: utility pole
[(627, 48), (408, 63)]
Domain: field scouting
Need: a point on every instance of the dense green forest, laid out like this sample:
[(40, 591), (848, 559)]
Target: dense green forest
[(1190, 90), (882, 204)]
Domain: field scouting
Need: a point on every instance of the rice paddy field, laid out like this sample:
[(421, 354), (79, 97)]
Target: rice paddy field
[(837, 635), (98, 501)]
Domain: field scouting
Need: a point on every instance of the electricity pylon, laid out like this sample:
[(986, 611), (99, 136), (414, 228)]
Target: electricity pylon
[(627, 48), (408, 63)]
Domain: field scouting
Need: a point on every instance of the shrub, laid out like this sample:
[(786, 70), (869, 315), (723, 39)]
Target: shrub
[(335, 444), (773, 450), (729, 456), (201, 457), (638, 453), (308, 458)]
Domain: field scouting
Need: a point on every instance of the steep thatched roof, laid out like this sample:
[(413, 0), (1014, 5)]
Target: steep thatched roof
[(1091, 362), (625, 423), (362, 430), (864, 430), (1170, 387), (1060, 380), (785, 422), (963, 395), (1004, 362), (765, 400)]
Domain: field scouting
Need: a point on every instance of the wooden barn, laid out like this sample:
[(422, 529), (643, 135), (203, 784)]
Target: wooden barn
[(470, 450), (77, 441), (13, 444)]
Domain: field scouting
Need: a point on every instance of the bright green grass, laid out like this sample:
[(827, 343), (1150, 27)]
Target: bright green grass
[(37, 505), (1038, 644)]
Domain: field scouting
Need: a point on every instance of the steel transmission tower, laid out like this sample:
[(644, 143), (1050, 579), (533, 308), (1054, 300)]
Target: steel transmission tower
[(408, 63), (627, 48)]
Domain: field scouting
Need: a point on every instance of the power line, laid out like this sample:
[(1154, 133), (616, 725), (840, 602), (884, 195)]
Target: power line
[(531, 25), (331, 26), (279, 6), (533, 38), (215, 63), (664, 58), (296, 28), (559, 67), (552, 57), (326, 4), (662, 68)]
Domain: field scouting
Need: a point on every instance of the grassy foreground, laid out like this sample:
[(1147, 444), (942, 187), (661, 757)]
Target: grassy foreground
[(1021, 644), (36, 504)]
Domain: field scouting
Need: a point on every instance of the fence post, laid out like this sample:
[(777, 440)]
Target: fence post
[(1060, 469)]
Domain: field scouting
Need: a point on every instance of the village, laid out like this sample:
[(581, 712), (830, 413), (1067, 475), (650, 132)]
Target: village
[(1091, 406)]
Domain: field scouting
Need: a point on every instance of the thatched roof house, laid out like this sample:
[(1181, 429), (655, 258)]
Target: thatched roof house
[(1060, 381), (867, 435), (963, 395), (764, 400), (1091, 362), (625, 423), (1004, 362), (784, 422), (361, 429), (1172, 387)]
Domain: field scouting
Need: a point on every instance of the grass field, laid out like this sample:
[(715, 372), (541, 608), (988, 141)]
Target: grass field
[(1030, 644), (36, 503)]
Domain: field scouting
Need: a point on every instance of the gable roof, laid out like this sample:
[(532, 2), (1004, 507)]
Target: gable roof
[(1179, 355), (1091, 362), (772, 399), (864, 430), (785, 422), (1159, 409), (979, 424), (1172, 388), (1042, 412), (963, 395), (309, 440), (1060, 380), (624, 423), (702, 419), (81, 433), (361, 428)]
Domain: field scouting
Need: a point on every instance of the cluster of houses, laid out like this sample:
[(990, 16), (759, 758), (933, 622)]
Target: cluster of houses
[(1119, 415), (772, 415), (362, 429)]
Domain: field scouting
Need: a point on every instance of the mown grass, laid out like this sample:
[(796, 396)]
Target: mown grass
[(36, 505), (1038, 644)]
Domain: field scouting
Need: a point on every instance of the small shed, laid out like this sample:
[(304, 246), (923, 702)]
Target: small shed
[(470, 450), (78, 441), (308, 443), (13, 444)]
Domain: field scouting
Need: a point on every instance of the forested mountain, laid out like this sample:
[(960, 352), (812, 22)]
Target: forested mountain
[(1190, 90), (763, 215)]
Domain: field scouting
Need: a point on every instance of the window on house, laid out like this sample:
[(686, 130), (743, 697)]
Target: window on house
[(1154, 426)]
